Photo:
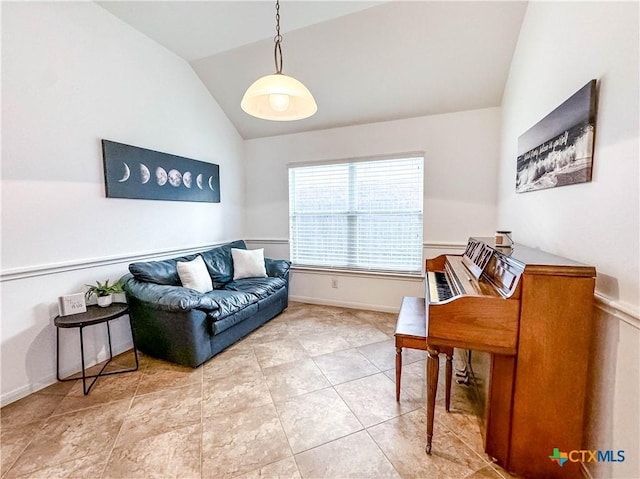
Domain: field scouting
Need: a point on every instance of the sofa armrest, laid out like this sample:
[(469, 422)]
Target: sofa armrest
[(277, 268), (167, 298)]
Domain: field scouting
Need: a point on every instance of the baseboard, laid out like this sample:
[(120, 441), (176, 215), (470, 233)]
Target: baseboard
[(27, 389), (344, 304), (47, 381)]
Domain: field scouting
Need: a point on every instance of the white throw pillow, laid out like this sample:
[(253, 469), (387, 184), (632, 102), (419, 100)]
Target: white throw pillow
[(248, 263), (194, 275)]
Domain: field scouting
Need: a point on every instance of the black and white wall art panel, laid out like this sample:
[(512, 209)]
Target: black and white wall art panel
[(132, 172), (558, 150)]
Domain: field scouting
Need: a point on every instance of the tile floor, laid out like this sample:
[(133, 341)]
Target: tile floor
[(309, 395)]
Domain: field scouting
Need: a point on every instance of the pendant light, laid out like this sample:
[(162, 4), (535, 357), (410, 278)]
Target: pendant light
[(278, 97)]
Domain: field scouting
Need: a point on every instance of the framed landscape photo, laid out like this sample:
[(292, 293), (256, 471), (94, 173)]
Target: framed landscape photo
[(558, 150)]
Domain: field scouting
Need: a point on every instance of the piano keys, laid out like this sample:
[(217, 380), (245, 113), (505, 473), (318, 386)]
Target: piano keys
[(439, 287), (532, 312)]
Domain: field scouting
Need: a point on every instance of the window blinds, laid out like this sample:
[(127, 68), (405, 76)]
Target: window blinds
[(360, 215)]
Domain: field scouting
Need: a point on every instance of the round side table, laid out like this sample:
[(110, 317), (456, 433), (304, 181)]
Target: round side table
[(94, 315)]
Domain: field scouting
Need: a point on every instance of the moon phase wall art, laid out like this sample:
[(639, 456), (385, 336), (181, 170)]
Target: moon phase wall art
[(558, 150), (132, 172)]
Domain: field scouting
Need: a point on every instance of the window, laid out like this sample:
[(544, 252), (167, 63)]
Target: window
[(358, 214)]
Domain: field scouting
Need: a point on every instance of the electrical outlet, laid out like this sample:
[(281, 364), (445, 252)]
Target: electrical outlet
[(334, 283)]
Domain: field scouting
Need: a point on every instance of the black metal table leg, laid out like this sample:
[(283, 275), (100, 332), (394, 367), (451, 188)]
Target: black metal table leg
[(94, 315)]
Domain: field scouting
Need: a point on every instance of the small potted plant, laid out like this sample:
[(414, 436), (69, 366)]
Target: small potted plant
[(104, 292)]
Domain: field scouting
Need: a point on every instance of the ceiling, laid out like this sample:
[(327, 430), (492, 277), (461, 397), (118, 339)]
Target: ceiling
[(363, 61)]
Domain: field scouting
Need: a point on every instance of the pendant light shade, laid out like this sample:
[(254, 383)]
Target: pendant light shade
[(278, 97)]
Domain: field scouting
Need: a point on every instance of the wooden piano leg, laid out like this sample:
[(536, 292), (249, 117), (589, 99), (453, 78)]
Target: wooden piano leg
[(432, 389), (449, 372), (398, 371)]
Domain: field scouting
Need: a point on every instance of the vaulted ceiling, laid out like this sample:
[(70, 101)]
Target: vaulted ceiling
[(363, 61)]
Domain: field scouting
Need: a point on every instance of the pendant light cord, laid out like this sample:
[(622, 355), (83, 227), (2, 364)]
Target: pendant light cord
[(277, 54)]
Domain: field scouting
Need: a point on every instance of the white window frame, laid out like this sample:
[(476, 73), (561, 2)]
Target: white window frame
[(417, 267)]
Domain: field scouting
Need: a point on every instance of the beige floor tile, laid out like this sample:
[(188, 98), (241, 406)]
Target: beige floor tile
[(343, 366), (376, 318), (315, 418), (14, 441), (161, 412), (83, 467), (293, 379), (383, 354), (107, 389), (355, 455), (59, 388), (311, 325), (403, 441), (361, 334), (279, 352), (504, 474), (239, 358), (166, 420), (241, 442), (326, 312), (410, 386), (173, 454), (127, 360), (373, 399), (413, 382), (121, 361), (486, 472), (168, 376), (284, 469), (73, 436), (242, 390), (385, 322), (272, 331), (464, 425), (296, 311), (317, 344), (34, 408)]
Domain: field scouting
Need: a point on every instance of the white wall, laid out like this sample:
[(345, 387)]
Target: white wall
[(73, 74), (562, 46), (461, 152)]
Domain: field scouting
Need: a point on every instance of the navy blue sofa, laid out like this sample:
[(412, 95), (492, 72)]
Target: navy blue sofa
[(184, 326)]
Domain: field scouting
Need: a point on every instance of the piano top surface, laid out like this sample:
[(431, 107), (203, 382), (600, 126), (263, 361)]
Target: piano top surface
[(540, 262)]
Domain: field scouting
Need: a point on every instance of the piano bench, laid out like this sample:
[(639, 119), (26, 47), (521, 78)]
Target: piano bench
[(411, 332)]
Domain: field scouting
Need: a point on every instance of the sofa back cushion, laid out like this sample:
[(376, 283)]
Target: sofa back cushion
[(159, 272), (218, 261)]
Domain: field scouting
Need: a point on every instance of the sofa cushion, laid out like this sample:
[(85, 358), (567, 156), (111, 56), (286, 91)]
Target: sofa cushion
[(230, 302), (277, 268), (227, 322), (260, 287), (159, 272), (220, 264), (194, 275), (248, 263), (218, 261)]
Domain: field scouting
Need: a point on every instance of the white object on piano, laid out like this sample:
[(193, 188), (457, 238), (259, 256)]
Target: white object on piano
[(503, 239)]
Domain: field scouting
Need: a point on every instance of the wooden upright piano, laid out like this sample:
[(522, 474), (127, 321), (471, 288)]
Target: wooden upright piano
[(532, 311)]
